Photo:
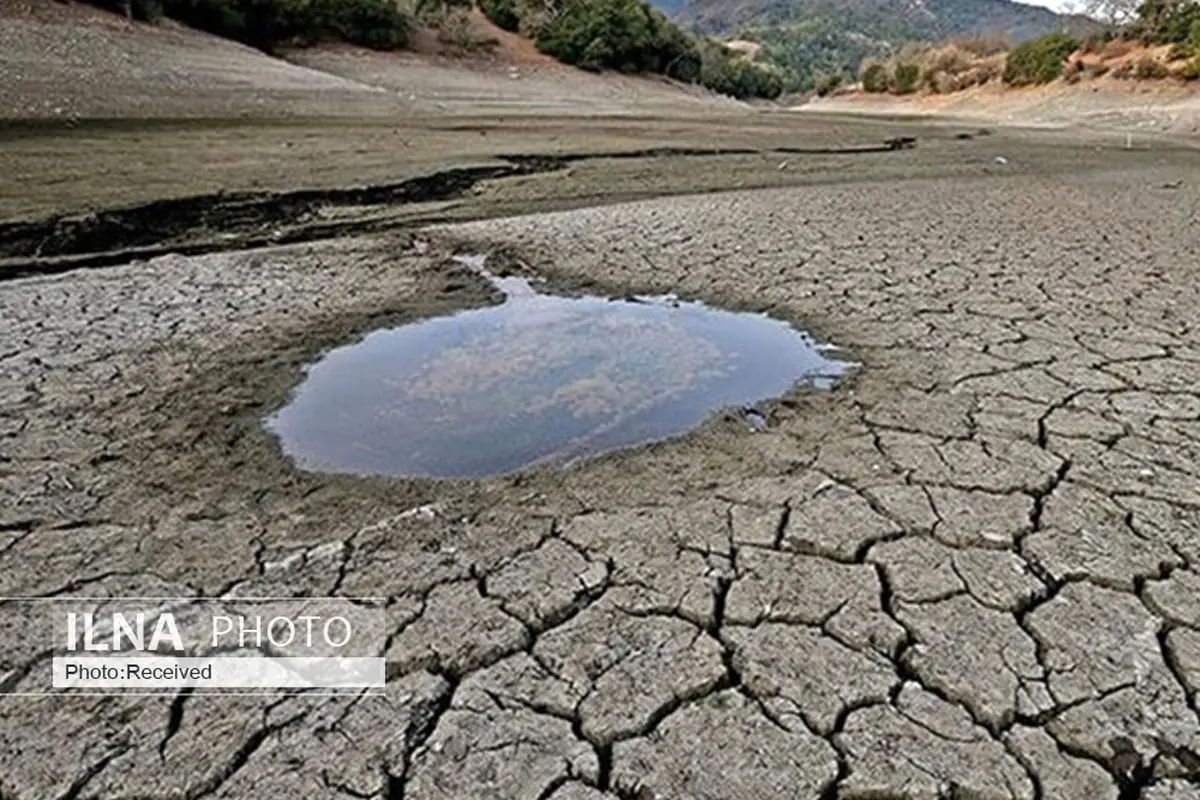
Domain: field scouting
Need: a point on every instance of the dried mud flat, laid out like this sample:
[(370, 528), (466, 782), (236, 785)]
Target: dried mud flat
[(971, 571)]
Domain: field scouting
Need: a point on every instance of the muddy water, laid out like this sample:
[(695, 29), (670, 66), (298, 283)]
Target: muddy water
[(538, 378)]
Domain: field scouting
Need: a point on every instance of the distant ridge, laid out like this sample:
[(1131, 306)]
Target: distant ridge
[(807, 36)]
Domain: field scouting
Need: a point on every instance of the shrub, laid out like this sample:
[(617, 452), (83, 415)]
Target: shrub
[(874, 77), (605, 34), (733, 75), (950, 59), (266, 24), (826, 83), (1183, 27), (941, 68), (436, 13), (145, 10), (630, 36), (904, 78), (930, 79), (1181, 51), (1189, 71), (979, 75), (1170, 21), (458, 36), (502, 12), (1147, 68), (377, 24), (1038, 60), (944, 83), (148, 10), (679, 54)]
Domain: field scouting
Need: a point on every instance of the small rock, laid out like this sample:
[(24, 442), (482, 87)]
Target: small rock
[(755, 418), (425, 512)]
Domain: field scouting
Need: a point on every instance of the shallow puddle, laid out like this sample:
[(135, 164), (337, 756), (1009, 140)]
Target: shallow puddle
[(538, 378)]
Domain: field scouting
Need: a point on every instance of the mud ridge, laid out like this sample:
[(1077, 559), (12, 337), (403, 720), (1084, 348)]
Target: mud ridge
[(228, 213), (238, 220)]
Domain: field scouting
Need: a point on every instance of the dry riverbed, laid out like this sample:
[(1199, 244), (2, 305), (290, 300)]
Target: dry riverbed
[(968, 571)]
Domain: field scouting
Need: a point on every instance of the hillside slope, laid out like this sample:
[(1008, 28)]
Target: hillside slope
[(834, 36), (887, 18), (508, 74), (1121, 84), (68, 61), (72, 61)]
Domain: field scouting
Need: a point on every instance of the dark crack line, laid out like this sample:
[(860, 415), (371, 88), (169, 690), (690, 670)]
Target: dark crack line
[(80, 783), (174, 720), (1171, 659), (244, 752), (418, 731)]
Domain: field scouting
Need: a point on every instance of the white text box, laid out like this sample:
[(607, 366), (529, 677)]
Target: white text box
[(168, 672)]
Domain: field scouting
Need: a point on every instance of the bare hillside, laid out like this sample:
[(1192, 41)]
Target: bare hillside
[(504, 72), (65, 61), (62, 61)]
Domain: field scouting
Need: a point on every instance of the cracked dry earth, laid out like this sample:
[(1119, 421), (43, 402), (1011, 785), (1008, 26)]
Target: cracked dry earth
[(971, 571)]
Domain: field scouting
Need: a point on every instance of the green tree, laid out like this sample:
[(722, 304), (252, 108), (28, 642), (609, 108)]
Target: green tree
[(678, 53), (1038, 60), (603, 34), (630, 36), (826, 83), (265, 24), (904, 78), (502, 12), (874, 77), (1170, 21), (728, 73)]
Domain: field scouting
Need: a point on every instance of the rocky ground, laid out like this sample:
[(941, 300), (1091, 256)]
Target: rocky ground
[(969, 571)]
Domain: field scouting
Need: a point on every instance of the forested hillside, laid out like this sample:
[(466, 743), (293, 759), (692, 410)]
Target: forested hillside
[(811, 37)]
